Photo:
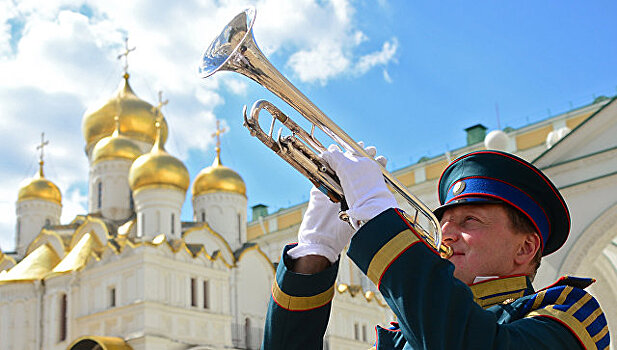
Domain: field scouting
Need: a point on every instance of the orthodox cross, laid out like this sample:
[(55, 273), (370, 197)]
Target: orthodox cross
[(125, 54), (157, 109), (41, 146), (217, 134)]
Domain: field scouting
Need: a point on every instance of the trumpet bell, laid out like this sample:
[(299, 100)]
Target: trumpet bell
[(231, 39)]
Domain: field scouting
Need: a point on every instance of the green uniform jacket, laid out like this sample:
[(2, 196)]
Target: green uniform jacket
[(434, 309)]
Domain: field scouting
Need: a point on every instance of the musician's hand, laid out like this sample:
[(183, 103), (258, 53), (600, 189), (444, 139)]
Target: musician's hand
[(363, 184), (321, 232)]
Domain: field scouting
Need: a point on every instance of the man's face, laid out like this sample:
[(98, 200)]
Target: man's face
[(482, 239)]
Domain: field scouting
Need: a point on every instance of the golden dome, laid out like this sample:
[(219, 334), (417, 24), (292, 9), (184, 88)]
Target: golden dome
[(116, 146), (40, 188), (158, 168), (218, 178), (137, 118)]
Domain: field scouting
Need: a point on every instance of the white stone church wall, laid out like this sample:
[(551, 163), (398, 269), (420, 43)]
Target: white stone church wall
[(225, 213), (115, 191), (19, 328), (32, 216), (158, 211)]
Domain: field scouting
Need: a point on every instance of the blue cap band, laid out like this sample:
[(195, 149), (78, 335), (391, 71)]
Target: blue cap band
[(484, 187)]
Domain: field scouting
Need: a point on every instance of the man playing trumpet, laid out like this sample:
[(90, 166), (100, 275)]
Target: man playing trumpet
[(499, 215)]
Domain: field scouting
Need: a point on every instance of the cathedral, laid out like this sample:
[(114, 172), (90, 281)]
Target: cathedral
[(129, 274)]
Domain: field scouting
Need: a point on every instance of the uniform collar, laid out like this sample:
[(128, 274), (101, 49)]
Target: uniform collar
[(497, 290)]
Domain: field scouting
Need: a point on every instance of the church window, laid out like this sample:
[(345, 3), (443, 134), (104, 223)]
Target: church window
[(99, 194), (63, 318), (112, 297), (356, 331), (239, 227), (47, 222), (131, 202), (247, 333), (193, 292), (363, 332), (203, 216), (142, 230), (206, 304), (18, 226), (173, 223)]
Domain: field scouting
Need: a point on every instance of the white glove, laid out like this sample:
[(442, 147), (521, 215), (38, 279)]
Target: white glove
[(363, 184), (321, 232)]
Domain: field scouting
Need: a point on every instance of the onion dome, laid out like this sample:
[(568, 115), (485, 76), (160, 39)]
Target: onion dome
[(137, 118), (158, 168), (116, 146), (218, 178), (40, 188)]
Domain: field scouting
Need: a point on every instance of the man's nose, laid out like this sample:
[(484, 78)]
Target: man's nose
[(449, 232)]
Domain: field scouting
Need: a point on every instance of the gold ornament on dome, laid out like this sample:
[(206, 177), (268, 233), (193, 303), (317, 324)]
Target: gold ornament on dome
[(39, 187), (136, 115), (116, 146), (217, 177), (158, 168)]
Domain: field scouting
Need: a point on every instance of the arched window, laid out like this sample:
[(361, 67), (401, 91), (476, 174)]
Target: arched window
[(203, 216), (18, 226), (99, 194), (62, 321), (47, 222), (173, 223), (131, 202)]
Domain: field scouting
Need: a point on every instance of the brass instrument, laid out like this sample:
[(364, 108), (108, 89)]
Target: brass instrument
[(235, 50)]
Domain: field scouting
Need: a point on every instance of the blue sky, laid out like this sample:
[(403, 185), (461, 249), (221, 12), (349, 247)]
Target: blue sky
[(406, 76)]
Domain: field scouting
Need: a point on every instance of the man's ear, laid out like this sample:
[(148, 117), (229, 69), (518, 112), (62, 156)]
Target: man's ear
[(528, 248)]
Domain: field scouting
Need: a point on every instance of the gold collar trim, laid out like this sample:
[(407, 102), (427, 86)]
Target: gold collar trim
[(499, 290)]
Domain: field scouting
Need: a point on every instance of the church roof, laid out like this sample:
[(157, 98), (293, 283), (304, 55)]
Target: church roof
[(34, 266), (79, 255)]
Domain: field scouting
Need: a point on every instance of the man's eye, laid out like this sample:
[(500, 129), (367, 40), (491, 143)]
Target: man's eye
[(471, 218)]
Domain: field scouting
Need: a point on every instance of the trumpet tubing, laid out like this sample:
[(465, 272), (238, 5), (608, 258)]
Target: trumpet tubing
[(235, 50)]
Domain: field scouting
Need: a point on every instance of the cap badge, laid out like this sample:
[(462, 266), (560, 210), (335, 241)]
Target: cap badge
[(459, 187)]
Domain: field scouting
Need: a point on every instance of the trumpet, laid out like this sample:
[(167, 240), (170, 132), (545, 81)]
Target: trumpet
[(235, 50)]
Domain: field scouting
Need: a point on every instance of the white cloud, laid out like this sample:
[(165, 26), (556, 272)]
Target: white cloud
[(63, 55), (386, 76), (7, 218), (365, 63), (359, 37), (236, 86), (319, 64)]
